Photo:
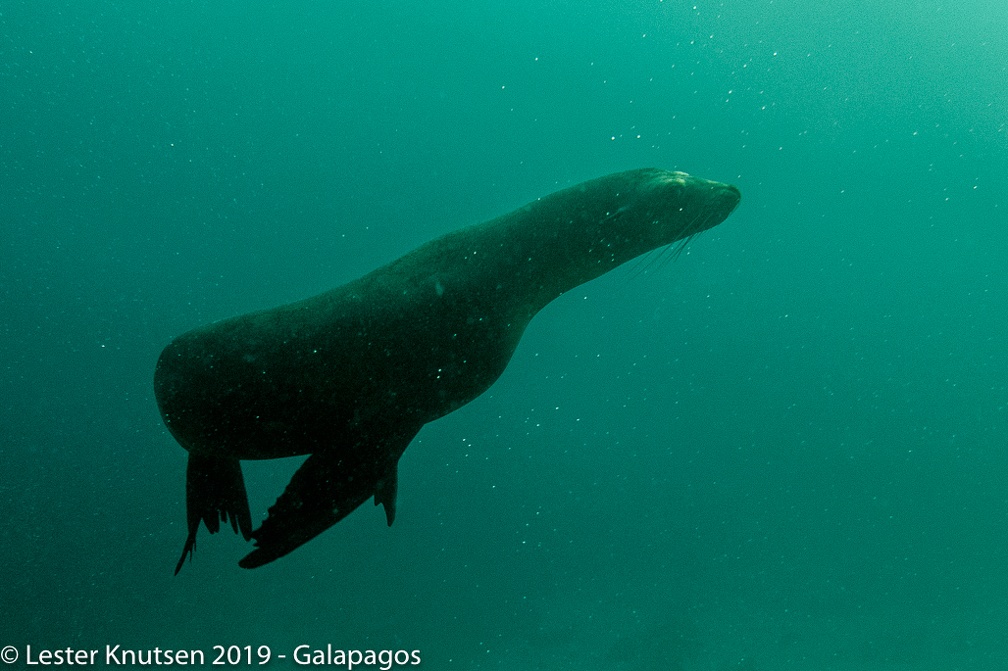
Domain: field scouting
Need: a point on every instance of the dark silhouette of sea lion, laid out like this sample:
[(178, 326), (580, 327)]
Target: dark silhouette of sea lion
[(349, 376)]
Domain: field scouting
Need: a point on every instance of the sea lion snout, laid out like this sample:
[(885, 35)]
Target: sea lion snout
[(730, 197)]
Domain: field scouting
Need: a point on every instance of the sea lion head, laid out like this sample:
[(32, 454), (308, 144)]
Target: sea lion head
[(668, 206), (625, 215)]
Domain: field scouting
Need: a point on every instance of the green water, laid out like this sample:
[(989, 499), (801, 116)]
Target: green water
[(783, 451)]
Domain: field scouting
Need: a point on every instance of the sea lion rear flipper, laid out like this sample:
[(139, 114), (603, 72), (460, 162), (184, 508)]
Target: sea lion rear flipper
[(322, 492), (385, 492), (215, 492)]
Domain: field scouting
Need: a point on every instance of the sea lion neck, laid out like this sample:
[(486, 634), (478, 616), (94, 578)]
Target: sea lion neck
[(529, 257)]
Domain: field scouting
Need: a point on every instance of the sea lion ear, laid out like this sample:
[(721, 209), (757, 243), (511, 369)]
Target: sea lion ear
[(385, 492)]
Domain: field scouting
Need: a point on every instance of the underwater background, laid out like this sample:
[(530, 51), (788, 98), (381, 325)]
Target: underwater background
[(785, 450)]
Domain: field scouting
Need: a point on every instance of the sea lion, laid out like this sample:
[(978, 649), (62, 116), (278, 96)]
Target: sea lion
[(349, 376)]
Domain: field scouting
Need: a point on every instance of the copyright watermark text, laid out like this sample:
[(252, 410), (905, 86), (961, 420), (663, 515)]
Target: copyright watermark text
[(328, 656)]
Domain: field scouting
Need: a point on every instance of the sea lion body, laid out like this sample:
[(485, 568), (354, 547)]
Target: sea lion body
[(351, 375)]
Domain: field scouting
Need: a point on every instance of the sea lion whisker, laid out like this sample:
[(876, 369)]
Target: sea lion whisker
[(660, 257), (680, 245), (644, 262), (654, 257)]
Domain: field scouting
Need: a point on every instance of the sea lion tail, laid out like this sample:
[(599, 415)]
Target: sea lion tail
[(215, 492)]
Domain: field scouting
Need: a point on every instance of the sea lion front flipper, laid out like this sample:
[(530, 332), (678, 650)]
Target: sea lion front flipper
[(327, 488), (215, 492)]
